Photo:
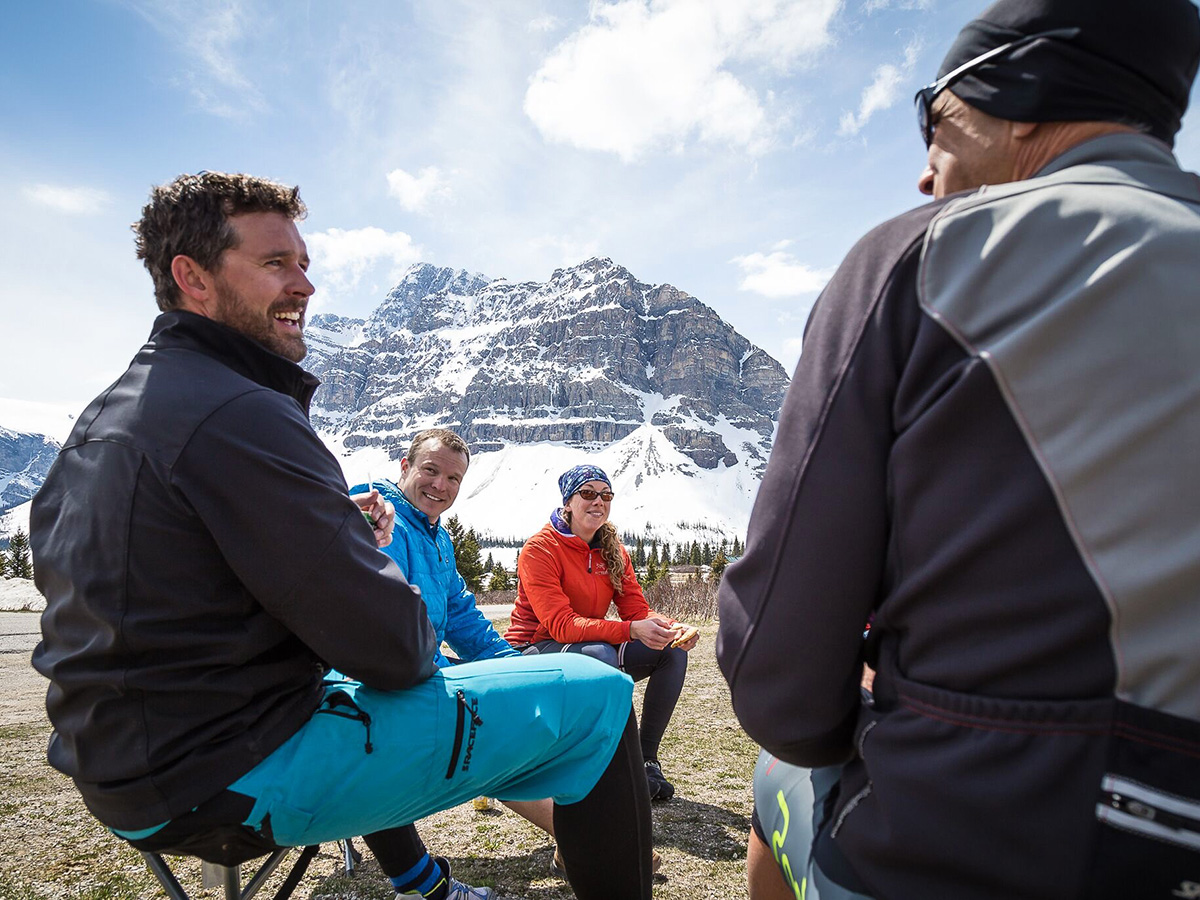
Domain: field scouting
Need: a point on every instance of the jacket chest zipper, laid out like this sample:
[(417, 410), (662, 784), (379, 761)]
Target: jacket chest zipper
[(464, 712)]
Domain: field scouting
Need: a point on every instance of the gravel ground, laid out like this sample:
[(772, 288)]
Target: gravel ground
[(54, 849)]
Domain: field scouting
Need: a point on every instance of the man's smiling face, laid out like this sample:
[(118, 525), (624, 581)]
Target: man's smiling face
[(432, 480), (261, 286)]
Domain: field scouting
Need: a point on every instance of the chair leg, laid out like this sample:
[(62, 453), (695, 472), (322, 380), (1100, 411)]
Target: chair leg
[(263, 873), (213, 875), (164, 875), (350, 855)]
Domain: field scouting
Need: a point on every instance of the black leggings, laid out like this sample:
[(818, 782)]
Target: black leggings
[(665, 668), (605, 838)]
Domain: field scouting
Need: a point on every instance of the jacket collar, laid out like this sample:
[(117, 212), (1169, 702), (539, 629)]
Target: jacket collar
[(411, 514), (563, 530), (247, 357)]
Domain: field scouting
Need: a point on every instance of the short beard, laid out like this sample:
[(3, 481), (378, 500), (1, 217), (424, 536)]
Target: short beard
[(231, 310)]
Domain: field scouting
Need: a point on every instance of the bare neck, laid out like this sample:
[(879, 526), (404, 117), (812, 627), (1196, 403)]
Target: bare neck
[(1046, 141)]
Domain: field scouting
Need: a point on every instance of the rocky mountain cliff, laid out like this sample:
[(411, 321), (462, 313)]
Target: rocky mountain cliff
[(585, 359), (25, 460)]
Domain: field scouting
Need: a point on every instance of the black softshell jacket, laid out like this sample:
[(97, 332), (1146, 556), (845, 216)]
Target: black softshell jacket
[(203, 566), (989, 450)]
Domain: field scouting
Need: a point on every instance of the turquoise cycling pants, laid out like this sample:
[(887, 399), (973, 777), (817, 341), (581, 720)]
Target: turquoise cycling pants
[(517, 728)]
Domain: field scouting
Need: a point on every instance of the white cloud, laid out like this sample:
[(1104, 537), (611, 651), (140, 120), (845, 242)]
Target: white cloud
[(564, 251), (210, 34), (369, 260), (875, 5), (76, 201), (415, 191), (779, 274), (791, 352), (543, 24), (882, 93), (648, 74)]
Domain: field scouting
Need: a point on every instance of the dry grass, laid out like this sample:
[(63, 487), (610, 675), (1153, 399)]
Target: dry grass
[(54, 849)]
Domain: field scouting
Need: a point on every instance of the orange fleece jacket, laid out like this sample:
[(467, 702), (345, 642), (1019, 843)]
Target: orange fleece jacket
[(564, 593)]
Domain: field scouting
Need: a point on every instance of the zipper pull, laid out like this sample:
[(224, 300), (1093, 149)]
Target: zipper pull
[(462, 700)]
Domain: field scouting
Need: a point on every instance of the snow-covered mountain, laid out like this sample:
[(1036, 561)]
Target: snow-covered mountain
[(591, 365), (24, 461)]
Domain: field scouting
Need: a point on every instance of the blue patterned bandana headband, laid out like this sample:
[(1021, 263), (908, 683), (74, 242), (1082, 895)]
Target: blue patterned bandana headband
[(573, 479)]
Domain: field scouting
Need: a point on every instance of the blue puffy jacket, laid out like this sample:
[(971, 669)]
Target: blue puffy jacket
[(425, 554)]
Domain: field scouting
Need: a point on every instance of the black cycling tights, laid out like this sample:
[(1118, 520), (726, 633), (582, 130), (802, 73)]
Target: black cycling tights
[(665, 668), (605, 838)]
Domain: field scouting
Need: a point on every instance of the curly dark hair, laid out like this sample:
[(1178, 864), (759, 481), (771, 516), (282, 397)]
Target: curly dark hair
[(190, 217)]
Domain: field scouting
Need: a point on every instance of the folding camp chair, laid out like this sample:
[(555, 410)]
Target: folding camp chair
[(229, 876)]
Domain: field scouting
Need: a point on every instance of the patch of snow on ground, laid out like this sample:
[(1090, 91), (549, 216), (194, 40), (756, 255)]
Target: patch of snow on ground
[(20, 593), (16, 518)]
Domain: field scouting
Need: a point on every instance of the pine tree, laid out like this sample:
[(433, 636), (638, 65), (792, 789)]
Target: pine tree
[(3, 563), (664, 555), (706, 553), (455, 530), (718, 566), (489, 563), (664, 572), (652, 559), (499, 580), (694, 557), (651, 569), (639, 554), (738, 549), (20, 565), (470, 566)]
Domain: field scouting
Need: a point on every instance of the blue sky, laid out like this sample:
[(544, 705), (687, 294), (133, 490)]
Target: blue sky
[(733, 148)]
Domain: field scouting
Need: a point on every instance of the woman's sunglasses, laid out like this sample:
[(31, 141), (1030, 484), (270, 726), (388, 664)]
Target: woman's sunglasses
[(589, 495), (926, 95)]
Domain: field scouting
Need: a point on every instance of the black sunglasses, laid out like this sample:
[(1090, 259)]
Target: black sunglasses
[(589, 495), (926, 95)]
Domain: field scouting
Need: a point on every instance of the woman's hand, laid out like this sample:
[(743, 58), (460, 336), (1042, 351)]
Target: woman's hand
[(654, 632), (686, 636)]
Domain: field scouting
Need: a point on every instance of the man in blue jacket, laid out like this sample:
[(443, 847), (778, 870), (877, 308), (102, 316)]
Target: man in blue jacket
[(430, 477)]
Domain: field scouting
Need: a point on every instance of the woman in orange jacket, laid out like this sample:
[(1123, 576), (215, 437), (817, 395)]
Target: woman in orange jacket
[(570, 573)]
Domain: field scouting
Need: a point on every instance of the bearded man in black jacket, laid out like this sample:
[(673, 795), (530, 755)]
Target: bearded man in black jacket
[(204, 568)]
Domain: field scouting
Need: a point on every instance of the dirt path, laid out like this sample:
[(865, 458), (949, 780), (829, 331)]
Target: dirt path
[(22, 690)]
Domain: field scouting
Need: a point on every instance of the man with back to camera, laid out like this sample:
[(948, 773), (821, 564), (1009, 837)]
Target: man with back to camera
[(988, 451), (204, 567)]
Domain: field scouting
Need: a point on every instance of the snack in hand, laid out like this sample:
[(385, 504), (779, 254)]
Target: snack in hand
[(686, 633)]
